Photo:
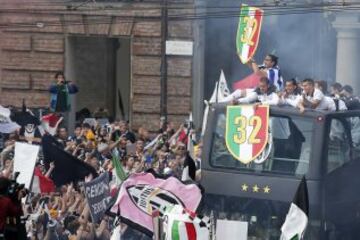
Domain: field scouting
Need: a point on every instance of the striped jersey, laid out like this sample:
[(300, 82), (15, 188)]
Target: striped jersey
[(275, 78)]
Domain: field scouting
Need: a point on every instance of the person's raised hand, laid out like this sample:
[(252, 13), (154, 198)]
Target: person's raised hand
[(301, 109), (89, 178), (52, 165), (69, 188)]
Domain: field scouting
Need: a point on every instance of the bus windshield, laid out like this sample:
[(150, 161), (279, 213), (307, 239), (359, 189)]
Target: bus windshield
[(289, 147)]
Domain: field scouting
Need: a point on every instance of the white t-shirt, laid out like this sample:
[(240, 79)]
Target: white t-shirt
[(317, 95), (291, 100), (341, 104), (326, 103), (270, 99), (233, 96), (236, 95), (252, 96)]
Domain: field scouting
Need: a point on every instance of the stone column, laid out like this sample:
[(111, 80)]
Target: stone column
[(69, 71), (347, 26)]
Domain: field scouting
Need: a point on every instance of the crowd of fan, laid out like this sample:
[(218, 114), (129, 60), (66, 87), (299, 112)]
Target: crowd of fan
[(63, 213)]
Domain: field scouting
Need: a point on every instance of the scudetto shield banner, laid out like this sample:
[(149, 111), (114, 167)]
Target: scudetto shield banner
[(247, 131), (248, 32)]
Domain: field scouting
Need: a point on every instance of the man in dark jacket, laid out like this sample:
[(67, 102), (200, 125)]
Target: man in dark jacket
[(60, 101), (60, 97)]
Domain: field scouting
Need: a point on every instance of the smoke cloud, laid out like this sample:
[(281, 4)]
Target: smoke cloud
[(304, 43)]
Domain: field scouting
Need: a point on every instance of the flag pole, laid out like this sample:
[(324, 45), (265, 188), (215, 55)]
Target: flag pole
[(163, 68), (157, 225), (212, 233), (217, 91)]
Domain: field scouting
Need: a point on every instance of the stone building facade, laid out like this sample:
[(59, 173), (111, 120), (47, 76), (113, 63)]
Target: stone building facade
[(35, 39)]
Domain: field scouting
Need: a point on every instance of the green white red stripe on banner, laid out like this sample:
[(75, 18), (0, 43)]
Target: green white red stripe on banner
[(252, 129), (183, 231), (248, 32), (182, 224)]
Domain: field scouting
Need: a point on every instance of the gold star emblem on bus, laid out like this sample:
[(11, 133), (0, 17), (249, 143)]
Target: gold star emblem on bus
[(255, 188), (267, 189), (244, 187)]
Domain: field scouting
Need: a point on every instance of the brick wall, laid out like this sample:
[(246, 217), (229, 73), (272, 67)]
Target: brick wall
[(28, 63), (30, 54)]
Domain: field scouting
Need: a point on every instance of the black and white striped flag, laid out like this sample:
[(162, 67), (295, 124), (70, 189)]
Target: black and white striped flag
[(297, 218)]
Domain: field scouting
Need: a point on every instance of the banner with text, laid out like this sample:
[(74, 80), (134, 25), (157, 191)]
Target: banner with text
[(97, 193)]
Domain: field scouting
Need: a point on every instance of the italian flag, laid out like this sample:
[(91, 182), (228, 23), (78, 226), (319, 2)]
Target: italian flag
[(248, 33), (119, 170), (249, 127), (185, 225), (51, 122), (297, 218), (183, 231)]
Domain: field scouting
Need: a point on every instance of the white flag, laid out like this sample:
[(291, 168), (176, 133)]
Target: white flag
[(295, 224), (221, 91), (116, 233), (24, 162), (297, 218), (191, 137), (215, 93)]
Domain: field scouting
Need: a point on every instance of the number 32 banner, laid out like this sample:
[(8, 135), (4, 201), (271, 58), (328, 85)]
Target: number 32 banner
[(247, 131), (248, 32)]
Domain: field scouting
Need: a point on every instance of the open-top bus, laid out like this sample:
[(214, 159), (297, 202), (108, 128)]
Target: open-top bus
[(323, 146)]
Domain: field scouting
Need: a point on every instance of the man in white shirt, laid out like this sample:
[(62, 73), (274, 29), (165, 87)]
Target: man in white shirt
[(335, 94), (313, 98), (291, 96), (264, 93)]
